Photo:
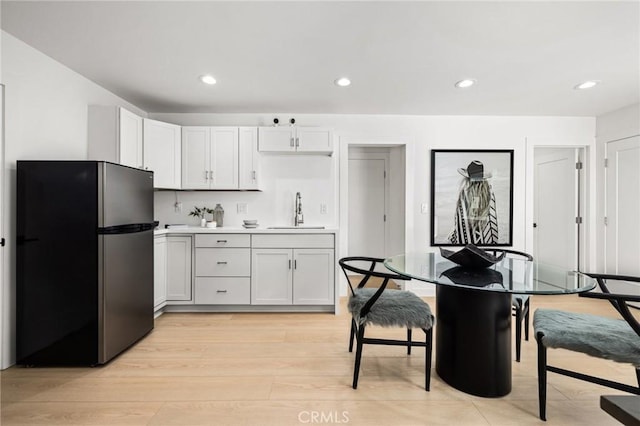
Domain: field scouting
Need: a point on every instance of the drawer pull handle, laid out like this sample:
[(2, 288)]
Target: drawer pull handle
[(221, 291), (289, 263), (222, 241), (222, 263)]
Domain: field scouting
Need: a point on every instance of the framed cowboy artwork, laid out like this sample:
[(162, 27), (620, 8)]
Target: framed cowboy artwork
[(471, 197)]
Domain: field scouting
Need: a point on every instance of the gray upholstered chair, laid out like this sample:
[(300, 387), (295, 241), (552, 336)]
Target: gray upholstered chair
[(386, 308), (609, 338)]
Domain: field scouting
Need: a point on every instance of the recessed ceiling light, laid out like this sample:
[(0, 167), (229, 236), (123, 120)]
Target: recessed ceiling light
[(207, 79), (587, 84), (343, 82), (467, 82)]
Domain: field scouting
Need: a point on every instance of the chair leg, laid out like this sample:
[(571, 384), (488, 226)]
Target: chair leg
[(356, 368), (518, 331), (408, 341), (526, 319), (542, 377), (353, 333), (427, 358)]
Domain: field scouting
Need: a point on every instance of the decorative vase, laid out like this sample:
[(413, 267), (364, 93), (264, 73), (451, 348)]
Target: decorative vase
[(218, 215), (203, 222)]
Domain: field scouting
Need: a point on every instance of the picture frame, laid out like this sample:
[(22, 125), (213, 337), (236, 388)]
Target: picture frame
[(471, 197)]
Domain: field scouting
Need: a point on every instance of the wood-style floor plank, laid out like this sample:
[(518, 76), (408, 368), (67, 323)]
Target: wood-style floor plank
[(292, 369)]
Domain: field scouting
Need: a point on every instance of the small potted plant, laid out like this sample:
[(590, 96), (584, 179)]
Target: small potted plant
[(200, 212)]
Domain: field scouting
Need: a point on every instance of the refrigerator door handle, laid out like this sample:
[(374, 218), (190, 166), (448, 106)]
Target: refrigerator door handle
[(126, 229)]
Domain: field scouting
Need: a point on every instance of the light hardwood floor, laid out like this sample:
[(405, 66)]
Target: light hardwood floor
[(291, 369)]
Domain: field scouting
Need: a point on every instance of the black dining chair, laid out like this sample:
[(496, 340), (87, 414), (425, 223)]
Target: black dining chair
[(520, 305), (609, 338), (386, 308)]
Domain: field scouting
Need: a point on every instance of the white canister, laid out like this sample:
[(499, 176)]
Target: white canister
[(203, 222)]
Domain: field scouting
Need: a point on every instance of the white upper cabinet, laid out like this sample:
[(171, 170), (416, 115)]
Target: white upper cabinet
[(162, 153), (223, 158), (131, 143), (249, 164), (309, 140), (115, 135), (195, 157)]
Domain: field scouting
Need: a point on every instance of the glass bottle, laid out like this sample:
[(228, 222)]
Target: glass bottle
[(218, 215)]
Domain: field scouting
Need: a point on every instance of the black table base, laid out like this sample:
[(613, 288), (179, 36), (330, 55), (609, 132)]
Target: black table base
[(473, 340)]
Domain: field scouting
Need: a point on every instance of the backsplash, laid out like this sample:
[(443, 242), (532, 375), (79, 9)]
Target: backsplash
[(282, 176)]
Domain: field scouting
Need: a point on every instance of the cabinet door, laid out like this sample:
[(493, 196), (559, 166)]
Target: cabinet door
[(195, 157), (130, 129), (178, 268), (314, 139), (162, 153), (313, 277), (276, 139), (249, 168), (271, 275), (223, 169), (159, 272)]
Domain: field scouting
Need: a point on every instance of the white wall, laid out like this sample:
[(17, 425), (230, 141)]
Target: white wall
[(619, 124), (45, 118)]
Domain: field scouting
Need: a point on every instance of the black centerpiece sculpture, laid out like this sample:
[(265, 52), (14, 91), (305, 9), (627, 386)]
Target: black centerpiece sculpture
[(471, 256), (473, 270)]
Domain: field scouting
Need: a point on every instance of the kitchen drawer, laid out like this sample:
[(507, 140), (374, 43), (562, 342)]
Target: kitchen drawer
[(223, 240), (292, 241), (222, 291), (223, 262)]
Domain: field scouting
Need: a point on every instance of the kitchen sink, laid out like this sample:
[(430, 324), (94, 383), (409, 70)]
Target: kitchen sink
[(295, 227)]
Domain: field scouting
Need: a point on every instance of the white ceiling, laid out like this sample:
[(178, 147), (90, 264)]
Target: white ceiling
[(403, 57)]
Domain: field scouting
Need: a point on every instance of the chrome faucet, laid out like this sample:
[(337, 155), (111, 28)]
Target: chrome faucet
[(298, 217)]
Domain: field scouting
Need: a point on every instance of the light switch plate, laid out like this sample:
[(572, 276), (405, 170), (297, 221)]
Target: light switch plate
[(423, 208), (323, 208), (242, 208)]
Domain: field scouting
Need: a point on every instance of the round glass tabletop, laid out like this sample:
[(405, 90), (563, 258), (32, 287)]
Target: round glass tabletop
[(510, 275)]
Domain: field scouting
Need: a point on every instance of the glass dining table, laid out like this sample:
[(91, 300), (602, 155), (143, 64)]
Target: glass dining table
[(473, 313)]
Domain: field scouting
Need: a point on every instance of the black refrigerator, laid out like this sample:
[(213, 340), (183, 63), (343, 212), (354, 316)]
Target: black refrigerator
[(84, 262)]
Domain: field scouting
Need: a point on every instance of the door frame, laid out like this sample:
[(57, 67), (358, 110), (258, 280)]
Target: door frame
[(605, 198), (587, 194), (373, 153), (4, 334), (342, 184)]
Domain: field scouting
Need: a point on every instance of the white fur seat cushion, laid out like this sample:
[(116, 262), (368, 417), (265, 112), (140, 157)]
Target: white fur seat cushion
[(593, 335), (394, 308)]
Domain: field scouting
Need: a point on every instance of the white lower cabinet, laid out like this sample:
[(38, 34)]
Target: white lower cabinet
[(159, 272), (267, 271), (271, 276), (298, 270), (313, 276), (179, 265), (223, 268)]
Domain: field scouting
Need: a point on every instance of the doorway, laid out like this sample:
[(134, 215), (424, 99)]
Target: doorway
[(622, 207), (375, 201), (558, 191)]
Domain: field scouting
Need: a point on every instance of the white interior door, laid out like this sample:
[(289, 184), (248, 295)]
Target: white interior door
[(556, 207), (367, 205), (622, 241)]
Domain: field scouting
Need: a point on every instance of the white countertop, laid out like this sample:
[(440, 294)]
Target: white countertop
[(241, 230)]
